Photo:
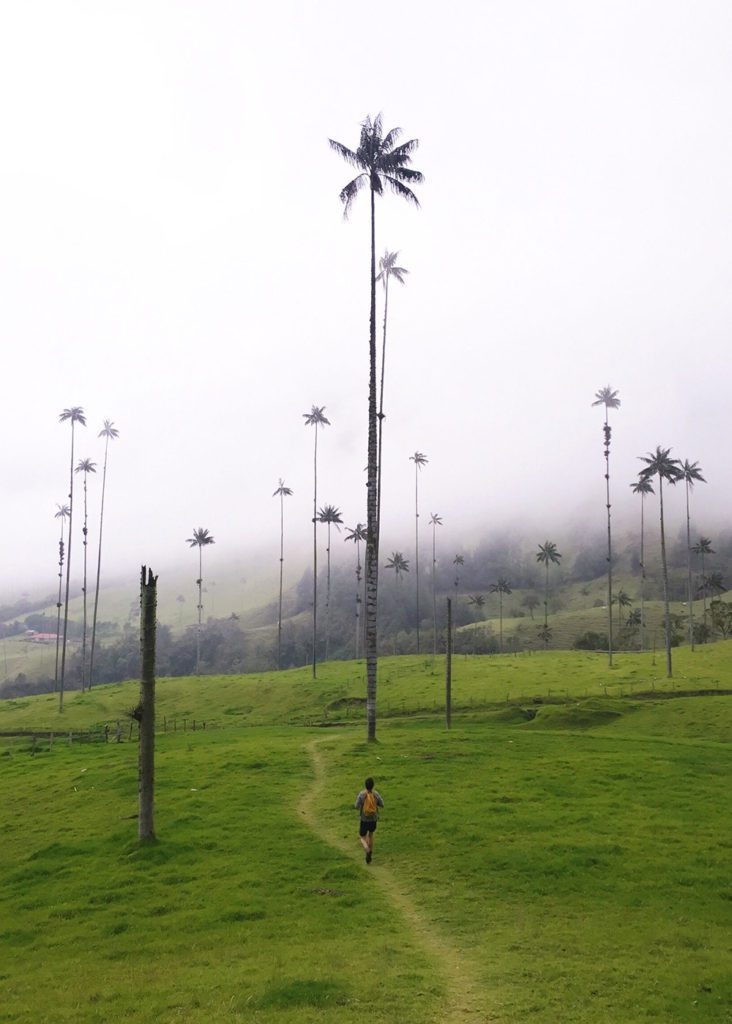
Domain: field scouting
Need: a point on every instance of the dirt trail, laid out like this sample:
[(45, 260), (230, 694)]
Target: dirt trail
[(465, 996)]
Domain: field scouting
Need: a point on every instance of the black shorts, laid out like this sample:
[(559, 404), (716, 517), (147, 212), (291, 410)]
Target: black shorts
[(366, 826)]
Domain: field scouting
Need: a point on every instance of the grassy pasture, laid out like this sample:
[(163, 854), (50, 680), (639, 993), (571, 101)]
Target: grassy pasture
[(576, 861)]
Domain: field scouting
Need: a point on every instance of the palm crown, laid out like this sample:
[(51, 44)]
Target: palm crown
[(75, 414), (642, 486), (419, 459), (282, 491), (381, 163), (435, 520), (63, 512), (331, 515), (316, 417), (109, 430), (703, 547), (86, 466), (200, 538), (608, 397), (501, 586), (397, 562), (357, 534), (388, 268), (548, 553), (691, 473), (660, 464)]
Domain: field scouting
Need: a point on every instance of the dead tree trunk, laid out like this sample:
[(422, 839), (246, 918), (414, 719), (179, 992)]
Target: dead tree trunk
[(146, 709)]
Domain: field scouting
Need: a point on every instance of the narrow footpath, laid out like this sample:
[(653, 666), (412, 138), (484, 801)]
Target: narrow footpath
[(465, 997)]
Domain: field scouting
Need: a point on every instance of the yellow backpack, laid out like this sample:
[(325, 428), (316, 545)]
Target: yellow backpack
[(369, 806)]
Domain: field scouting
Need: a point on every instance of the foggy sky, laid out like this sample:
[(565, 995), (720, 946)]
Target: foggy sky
[(173, 257)]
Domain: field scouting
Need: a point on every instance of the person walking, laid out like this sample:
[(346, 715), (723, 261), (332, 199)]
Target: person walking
[(367, 803)]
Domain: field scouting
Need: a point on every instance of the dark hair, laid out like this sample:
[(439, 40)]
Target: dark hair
[(369, 783)]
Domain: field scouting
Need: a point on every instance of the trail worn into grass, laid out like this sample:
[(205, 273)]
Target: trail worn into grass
[(466, 999)]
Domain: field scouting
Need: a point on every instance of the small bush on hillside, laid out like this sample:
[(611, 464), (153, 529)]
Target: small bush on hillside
[(591, 641)]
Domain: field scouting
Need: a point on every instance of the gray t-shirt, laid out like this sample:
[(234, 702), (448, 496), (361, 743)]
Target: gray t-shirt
[(359, 803)]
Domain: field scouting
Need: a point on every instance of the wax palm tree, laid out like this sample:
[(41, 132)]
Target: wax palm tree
[(85, 466), (315, 418), (110, 433), (500, 587), (398, 563), (622, 600), (63, 515), (282, 492), (642, 487), (703, 547), (435, 521), (690, 473), (357, 535), (387, 270), (547, 554), (72, 415), (331, 516), (419, 460), (201, 539), (609, 399), (661, 465), (381, 164)]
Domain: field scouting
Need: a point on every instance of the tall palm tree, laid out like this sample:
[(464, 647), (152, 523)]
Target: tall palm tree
[(331, 516), (703, 547), (357, 535), (661, 465), (398, 563), (500, 587), (85, 466), (609, 399), (63, 515), (642, 487), (72, 415), (110, 433), (315, 418), (282, 492), (201, 538), (435, 521), (419, 460), (690, 473), (387, 270), (381, 164), (547, 554)]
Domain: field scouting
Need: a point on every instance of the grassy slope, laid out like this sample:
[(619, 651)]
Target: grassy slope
[(580, 858)]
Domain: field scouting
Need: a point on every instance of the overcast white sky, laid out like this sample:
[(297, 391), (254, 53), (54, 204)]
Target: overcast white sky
[(173, 257)]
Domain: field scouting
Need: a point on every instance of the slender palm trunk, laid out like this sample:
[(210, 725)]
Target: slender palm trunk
[(434, 594), (85, 532), (416, 541), (689, 605), (282, 560), (381, 414), (704, 590), (500, 622), (200, 609), (327, 599), (146, 753), (643, 575), (59, 603), (546, 597), (68, 576), (315, 553), (609, 547), (667, 613), (99, 568), (358, 598), (372, 536)]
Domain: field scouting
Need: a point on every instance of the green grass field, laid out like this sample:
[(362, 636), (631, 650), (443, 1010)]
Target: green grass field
[(562, 854)]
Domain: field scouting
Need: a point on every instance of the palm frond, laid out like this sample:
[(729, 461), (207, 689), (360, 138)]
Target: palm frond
[(347, 154), (349, 192), (401, 190)]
